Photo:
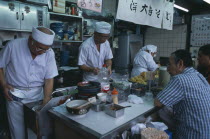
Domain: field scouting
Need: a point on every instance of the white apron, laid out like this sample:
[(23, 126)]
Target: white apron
[(15, 111)]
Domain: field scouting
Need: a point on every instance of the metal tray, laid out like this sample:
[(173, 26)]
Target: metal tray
[(114, 110)]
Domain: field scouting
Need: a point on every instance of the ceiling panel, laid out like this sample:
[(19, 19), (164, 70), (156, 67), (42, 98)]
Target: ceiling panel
[(194, 6)]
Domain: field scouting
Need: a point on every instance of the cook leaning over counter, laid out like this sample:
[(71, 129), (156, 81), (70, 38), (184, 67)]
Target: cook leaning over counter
[(144, 61), (29, 65), (188, 93), (95, 52)]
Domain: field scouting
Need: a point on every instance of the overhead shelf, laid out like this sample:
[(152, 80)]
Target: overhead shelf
[(67, 15), (87, 35), (66, 41)]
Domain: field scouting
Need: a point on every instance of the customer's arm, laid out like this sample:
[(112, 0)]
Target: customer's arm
[(172, 94), (158, 103), (4, 85), (48, 88)]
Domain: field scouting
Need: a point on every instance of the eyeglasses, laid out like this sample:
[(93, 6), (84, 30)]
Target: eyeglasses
[(102, 36), (39, 49)]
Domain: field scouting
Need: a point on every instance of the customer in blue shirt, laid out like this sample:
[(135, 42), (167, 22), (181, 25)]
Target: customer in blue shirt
[(189, 94)]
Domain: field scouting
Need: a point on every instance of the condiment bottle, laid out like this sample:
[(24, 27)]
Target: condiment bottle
[(73, 9), (115, 96)]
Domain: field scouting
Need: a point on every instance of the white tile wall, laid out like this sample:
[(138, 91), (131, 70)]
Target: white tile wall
[(167, 41)]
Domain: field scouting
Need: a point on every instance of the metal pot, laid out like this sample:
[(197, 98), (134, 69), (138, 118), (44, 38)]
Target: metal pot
[(72, 107)]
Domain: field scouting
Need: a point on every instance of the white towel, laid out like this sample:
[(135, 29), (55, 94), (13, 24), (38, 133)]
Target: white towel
[(135, 99), (137, 128)]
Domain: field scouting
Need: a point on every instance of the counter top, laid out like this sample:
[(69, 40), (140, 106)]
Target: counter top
[(101, 125)]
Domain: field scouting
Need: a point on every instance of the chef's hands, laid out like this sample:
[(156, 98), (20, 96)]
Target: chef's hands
[(95, 71), (6, 89), (109, 70)]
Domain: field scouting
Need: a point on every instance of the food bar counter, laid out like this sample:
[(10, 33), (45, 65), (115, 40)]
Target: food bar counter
[(98, 124)]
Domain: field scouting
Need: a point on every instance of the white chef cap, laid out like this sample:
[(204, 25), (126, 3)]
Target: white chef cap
[(42, 37), (151, 48), (103, 27)]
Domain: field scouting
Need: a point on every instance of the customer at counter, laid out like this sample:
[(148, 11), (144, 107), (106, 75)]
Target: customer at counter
[(144, 61), (204, 61), (188, 93), (95, 52), (28, 64)]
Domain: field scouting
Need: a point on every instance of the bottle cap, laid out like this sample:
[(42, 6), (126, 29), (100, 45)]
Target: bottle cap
[(114, 92)]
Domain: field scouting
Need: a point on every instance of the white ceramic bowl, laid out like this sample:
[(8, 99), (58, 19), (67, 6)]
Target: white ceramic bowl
[(102, 96)]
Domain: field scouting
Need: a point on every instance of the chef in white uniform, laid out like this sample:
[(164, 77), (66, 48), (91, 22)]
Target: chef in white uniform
[(29, 66), (95, 52), (144, 61)]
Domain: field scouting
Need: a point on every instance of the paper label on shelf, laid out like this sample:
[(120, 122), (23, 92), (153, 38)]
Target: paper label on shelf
[(94, 5)]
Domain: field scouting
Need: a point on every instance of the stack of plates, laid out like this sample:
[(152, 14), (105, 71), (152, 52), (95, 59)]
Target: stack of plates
[(88, 89)]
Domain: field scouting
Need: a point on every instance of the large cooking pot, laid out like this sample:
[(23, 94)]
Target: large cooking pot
[(89, 87), (72, 107)]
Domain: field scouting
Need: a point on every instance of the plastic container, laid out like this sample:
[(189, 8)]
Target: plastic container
[(164, 76), (115, 96), (103, 78)]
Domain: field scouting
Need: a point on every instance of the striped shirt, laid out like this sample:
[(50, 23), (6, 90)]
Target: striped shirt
[(189, 94)]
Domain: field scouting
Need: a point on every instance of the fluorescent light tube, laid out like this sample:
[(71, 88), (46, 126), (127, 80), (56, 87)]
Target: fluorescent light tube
[(181, 8), (208, 1)]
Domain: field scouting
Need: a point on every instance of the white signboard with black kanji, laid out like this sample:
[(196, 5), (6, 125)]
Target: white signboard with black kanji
[(145, 12), (168, 15)]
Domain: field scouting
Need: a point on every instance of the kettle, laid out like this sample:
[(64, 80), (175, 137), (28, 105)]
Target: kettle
[(164, 76)]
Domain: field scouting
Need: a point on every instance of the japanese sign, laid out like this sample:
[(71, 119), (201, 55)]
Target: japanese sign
[(168, 15), (144, 12), (94, 5)]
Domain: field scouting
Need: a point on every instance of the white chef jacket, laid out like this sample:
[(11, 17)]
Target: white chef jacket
[(21, 69), (91, 57), (143, 62)]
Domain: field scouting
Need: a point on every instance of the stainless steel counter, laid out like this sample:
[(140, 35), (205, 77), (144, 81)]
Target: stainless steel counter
[(98, 124)]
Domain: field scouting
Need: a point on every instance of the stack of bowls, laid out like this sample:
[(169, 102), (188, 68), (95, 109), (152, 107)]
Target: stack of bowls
[(58, 29)]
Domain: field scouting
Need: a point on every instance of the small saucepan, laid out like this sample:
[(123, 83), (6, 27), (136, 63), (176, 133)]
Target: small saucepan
[(73, 107)]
